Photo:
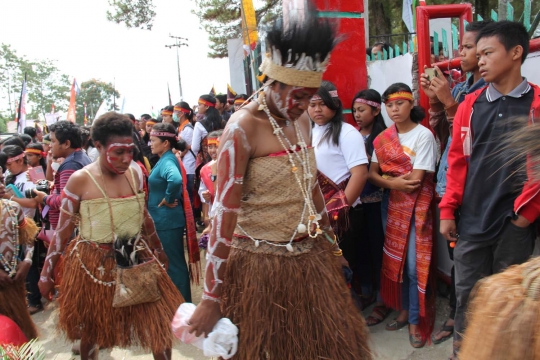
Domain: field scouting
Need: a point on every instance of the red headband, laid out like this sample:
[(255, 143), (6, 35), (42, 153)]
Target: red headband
[(151, 122), (401, 95), (213, 141), (35, 151), (181, 109), (239, 101), (207, 103), (166, 112), (15, 158)]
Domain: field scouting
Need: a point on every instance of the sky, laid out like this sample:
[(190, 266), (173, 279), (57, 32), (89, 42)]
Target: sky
[(85, 45)]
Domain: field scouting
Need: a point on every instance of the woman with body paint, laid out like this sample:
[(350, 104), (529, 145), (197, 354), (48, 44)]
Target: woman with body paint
[(105, 199)]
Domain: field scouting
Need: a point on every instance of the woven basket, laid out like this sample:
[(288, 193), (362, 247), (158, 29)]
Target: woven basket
[(137, 284)]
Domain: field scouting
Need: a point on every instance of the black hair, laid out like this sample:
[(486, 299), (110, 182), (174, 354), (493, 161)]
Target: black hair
[(131, 116), (145, 117), (476, 26), (378, 123), (31, 131), (384, 45), (222, 98), (336, 123), (12, 151), (66, 130), (111, 124), (417, 113), (42, 161), (241, 97), (27, 139), (509, 33), (313, 37), (185, 105), (14, 140), (47, 137), (86, 139), (168, 108), (212, 118), (173, 141), (3, 161), (215, 134)]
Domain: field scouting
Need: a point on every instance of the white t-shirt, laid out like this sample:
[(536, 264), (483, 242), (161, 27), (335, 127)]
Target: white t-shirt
[(199, 132), (23, 184), (188, 160), (420, 146), (336, 161)]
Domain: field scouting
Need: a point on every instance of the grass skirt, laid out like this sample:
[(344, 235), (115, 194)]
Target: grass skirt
[(13, 305), (86, 310), (292, 305)]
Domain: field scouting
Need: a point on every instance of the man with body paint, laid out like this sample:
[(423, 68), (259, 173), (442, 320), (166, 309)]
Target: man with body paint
[(273, 264)]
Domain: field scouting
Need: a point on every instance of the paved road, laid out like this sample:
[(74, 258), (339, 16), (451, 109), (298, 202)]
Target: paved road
[(387, 345)]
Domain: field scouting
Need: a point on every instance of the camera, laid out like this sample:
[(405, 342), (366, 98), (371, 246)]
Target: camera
[(41, 185)]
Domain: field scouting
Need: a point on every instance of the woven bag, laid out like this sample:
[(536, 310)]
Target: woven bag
[(137, 284)]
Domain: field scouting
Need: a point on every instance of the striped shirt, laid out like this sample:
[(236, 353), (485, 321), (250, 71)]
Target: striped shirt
[(76, 161)]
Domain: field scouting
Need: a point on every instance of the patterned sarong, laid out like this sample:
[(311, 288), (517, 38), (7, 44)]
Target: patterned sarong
[(336, 202), (394, 163)]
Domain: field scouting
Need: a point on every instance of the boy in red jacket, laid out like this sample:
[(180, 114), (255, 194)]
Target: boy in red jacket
[(500, 204)]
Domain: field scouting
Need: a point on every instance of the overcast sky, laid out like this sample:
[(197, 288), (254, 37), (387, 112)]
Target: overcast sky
[(77, 34)]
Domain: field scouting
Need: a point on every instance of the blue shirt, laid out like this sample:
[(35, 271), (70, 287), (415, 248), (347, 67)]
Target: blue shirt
[(165, 182), (458, 92)]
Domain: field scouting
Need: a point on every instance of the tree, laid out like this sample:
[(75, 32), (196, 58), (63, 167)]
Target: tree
[(220, 18), (93, 93)]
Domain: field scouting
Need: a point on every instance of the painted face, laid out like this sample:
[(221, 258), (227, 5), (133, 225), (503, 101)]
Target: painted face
[(399, 110), (469, 62), (494, 61), (118, 153), (364, 115), (292, 101), (213, 151), (319, 112)]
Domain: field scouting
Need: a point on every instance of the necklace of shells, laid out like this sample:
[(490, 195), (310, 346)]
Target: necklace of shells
[(304, 182)]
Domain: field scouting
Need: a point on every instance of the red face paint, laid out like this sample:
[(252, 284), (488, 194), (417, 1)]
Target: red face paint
[(117, 156)]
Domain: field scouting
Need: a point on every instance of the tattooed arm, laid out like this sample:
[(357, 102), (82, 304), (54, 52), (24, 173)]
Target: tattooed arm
[(69, 206), (234, 155)]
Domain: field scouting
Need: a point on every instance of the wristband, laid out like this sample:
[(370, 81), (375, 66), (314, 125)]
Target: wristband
[(28, 260)]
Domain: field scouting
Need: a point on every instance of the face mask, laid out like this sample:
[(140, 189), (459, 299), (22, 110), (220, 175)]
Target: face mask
[(175, 117), (55, 166)]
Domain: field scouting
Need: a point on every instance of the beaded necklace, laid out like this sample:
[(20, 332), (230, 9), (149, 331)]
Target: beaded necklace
[(11, 268), (305, 184)]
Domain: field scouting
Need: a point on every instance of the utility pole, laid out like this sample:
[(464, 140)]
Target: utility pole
[(178, 43)]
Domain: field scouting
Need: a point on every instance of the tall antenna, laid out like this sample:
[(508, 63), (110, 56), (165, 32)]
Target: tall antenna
[(178, 43)]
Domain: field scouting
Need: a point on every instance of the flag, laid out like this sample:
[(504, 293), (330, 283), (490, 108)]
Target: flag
[(85, 116), (101, 110), (231, 94), (169, 91), (16, 111), (21, 118), (52, 109), (213, 91), (249, 24), (407, 15), (72, 112)]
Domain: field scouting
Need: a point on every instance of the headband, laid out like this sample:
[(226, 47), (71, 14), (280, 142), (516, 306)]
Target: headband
[(213, 141), (401, 95), (367, 102), (48, 142), (15, 158), (333, 93), (166, 112), (291, 76), (35, 151), (181, 109), (207, 103), (162, 134), (239, 101), (151, 122)]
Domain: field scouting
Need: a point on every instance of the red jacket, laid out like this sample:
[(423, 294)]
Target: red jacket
[(527, 203)]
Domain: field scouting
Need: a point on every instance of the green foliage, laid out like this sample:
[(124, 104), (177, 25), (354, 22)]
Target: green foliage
[(133, 13), (28, 351), (46, 84), (93, 93)]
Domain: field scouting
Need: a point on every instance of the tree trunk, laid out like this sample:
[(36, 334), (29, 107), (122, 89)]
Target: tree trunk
[(482, 8), (379, 21)]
